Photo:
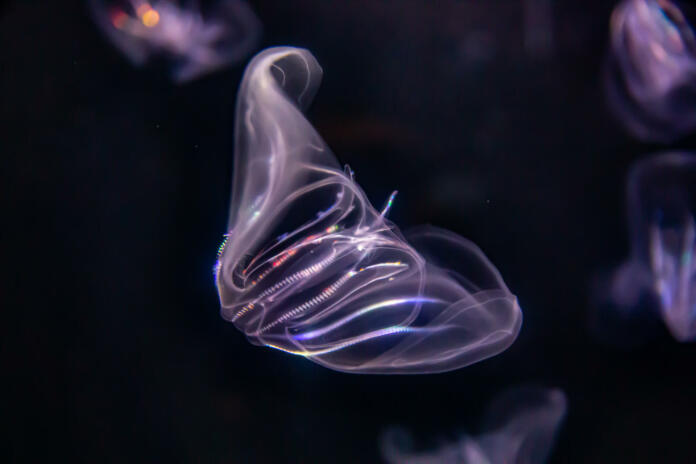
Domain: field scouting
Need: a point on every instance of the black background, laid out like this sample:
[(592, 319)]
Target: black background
[(115, 189)]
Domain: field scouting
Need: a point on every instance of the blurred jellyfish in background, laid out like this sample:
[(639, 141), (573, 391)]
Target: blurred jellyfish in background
[(519, 427), (311, 268), (651, 72), (538, 28), (196, 43), (661, 195)]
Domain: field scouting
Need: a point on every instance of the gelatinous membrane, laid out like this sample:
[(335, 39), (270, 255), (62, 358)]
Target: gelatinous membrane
[(519, 427), (651, 73), (195, 43), (661, 200), (311, 268)]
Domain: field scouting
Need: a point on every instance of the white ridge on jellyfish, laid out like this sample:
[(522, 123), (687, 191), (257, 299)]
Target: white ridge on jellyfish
[(311, 268), (519, 427), (661, 196), (651, 72), (196, 43)]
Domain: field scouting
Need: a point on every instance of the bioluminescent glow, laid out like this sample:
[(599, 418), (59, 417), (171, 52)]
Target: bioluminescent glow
[(310, 267), (519, 426), (651, 78), (196, 43), (661, 201)]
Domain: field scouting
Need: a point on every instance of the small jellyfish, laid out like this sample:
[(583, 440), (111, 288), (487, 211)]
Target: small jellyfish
[(519, 427), (195, 43), (661, 194), (651, 71), (310, 267)]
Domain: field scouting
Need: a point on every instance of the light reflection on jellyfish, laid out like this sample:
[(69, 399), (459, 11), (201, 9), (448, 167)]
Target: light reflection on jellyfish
[(651, 73), (197, 43), (661, 195), (311, 268), (519, 427)]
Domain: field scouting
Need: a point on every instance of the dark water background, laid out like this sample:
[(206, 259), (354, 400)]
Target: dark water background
[(115, 193)]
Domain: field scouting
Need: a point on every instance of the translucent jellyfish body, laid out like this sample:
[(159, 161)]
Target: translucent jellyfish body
[(195, 43), (519, 427), (661, 200), (311, 268), (651, 78)]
